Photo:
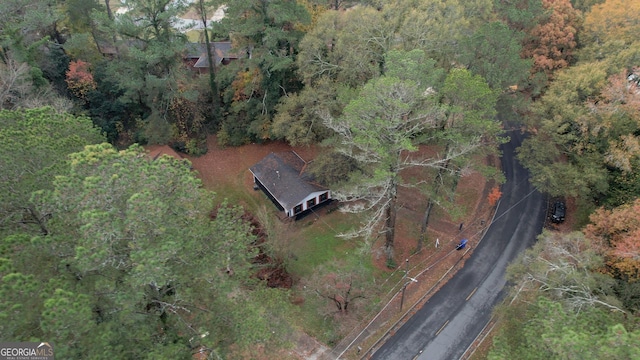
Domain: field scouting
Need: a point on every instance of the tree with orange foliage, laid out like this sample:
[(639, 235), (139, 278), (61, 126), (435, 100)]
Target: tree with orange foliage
[(494, 195), (551, 43), (79, 79), (618, 231)]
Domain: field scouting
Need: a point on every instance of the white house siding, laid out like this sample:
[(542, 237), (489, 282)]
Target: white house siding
[(314, 195)]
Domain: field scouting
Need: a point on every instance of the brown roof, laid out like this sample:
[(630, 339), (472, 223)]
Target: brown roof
[(221, 52), (155, 151)]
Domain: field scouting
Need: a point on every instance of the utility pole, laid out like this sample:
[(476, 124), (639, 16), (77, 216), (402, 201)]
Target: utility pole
[(406, 282), (404, 287)]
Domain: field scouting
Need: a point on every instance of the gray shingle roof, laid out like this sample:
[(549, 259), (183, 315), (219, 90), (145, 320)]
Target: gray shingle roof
[(283, 175)]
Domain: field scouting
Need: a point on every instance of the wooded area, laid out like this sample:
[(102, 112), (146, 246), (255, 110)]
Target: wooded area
[(108, 252)]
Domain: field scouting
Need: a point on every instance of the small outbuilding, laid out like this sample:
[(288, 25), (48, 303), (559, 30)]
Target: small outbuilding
[(282, 177)]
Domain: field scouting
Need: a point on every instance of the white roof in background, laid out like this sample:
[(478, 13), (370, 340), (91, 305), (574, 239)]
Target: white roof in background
[(193, 24), (219, 14), (183, 24)]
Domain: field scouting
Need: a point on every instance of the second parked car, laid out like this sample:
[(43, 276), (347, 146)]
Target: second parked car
[(558, 212)]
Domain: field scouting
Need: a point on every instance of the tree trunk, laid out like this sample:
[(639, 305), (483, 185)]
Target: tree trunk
[(113, 37), (95, 40), (109, 13), (212, 74), (430, 203), (454, 186), (214, 98), (423, 227), (390, 222), (38, 220)]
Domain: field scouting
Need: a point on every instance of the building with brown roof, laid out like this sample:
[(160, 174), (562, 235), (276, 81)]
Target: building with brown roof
[(221, 51)]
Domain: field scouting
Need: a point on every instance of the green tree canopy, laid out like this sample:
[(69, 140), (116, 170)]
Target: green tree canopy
[(382, 128), (546, 330), (437, 27), (269, 33), (340, 53), (34, 145), (341, 47), (387, 120), (134, 259), (147, 70), (592, 123), (493, 51)]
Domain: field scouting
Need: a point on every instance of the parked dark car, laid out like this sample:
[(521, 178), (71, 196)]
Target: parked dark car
[(558, 212)]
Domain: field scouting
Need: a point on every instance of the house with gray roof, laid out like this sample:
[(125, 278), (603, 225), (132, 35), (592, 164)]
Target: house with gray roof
[(283, 179)]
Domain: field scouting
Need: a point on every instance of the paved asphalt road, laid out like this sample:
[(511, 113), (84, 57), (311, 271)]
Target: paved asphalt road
[(449, 322)]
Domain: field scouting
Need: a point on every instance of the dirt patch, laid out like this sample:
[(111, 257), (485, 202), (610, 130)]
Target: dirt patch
[(445, 230), (230, 165)]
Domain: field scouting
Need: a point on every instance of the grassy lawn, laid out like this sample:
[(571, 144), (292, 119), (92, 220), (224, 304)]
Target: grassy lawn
[(316, 242)]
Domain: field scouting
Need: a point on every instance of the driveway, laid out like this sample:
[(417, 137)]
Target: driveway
[(452, 318)]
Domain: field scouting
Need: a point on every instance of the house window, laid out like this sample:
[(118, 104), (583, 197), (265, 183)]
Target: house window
[(297, 209), (311, 202), (324, 197)]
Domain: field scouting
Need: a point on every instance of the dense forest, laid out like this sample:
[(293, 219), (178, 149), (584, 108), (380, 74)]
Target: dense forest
[(110, 254)]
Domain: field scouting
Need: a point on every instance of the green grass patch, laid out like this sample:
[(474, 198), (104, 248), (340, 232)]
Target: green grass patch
[(194, 35), (249, 199), (317, 242), (314, 324)]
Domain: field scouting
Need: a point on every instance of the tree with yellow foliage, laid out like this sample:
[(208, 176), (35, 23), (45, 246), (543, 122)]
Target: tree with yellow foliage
[(610, 27)]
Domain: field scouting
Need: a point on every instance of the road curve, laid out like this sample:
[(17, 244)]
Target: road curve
[(452, 318)]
